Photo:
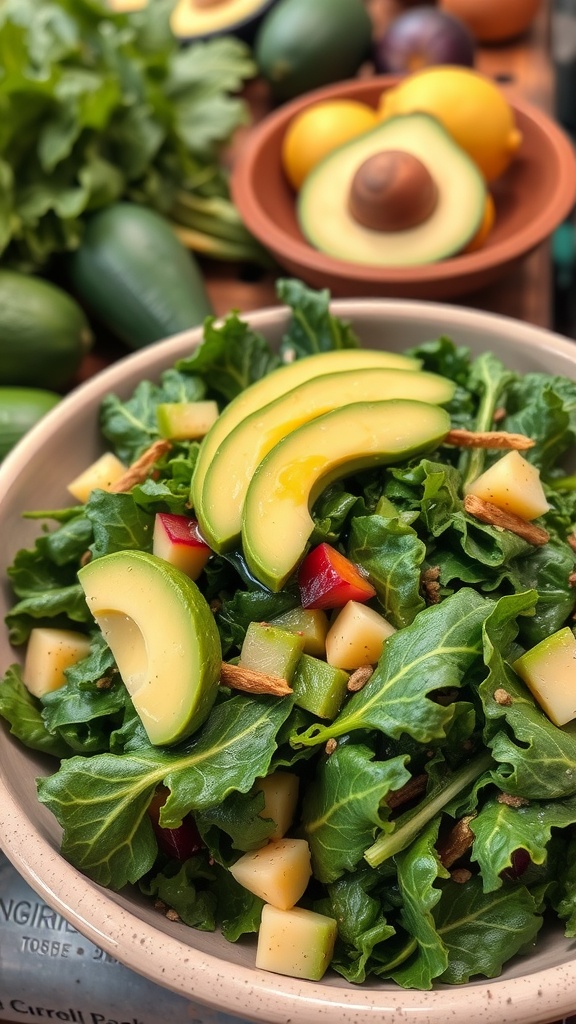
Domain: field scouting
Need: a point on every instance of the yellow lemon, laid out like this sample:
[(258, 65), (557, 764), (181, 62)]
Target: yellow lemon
[(320, 128), (470, 106)]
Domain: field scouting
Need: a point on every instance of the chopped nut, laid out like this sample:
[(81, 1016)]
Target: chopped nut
[(512, 801), (104, 683), (415, 787), (359, 678), (160, 905), (494, 439), (215, 605), (461, 875), (140, 469), (431, 573), (172, 914), (486, 512), (331, 746), (249, 681), (501, 696), (572, 579), (457, 842), (430, 585)]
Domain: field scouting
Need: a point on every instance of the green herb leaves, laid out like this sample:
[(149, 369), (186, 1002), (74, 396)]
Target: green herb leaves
[(97, 106)]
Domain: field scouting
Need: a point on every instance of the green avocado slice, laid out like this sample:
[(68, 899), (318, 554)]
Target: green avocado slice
[(230, 473), (323, 201), (277, 383), (276, 523), (163, 636)]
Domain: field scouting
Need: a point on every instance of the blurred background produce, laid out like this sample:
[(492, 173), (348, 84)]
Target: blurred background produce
[(301, 45), (493, 21), (114, 107), (421, 36)]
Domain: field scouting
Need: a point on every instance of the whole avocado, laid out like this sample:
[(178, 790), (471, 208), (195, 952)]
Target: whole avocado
[(304, 44)]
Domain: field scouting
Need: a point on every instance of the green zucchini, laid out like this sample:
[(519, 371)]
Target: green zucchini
[(44, 333), (20, 409), (136, 277)]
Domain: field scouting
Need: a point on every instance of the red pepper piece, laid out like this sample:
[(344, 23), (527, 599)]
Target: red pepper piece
[(327, 579)]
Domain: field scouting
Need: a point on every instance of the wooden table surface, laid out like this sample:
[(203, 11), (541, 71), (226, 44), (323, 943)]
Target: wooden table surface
[(526, 293)]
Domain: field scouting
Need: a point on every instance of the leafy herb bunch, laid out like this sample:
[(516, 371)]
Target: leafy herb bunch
[(97, 106)]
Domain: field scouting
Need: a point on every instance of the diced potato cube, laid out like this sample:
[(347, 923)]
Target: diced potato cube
[(278, 873), (311, 623), (186, 421), (549, 671), (296, 942), (513, 484), (356, 637), (101, 474), (280, 799), (48, 654)]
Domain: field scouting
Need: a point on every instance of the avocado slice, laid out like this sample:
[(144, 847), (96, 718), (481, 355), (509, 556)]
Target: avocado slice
[(276, 522), (324, 201), (163, 636), (275, 384), (233, 467)]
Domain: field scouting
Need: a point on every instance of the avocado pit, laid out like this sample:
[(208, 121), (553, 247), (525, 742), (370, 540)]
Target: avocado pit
[(392, 191)]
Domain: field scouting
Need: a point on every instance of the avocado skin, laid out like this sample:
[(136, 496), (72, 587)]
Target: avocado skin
[(303, 44), (136, 277)]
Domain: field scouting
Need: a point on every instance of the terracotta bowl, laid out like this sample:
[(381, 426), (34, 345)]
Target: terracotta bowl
[(203, 966), (534, 195)]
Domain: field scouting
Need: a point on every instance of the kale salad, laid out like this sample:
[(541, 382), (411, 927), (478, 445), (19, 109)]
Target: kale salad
[(439, 803)]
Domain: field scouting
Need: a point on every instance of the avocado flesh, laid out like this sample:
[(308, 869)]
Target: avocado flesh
[(163, 637), (275, 384), (229, 475), (328, 225), (276, 522), (190, 20)]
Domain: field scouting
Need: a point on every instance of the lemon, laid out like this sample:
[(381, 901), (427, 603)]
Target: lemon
[(485, 227), (470, 106), (320, 128)]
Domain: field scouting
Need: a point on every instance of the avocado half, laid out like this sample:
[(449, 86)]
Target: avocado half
[(192, 20), (323, 202)]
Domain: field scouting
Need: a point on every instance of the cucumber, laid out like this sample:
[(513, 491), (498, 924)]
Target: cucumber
[(20, 409), (303, 44), (136, 277), (44, 333)]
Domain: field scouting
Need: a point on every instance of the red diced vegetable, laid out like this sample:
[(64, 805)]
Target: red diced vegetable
[(327, 579)]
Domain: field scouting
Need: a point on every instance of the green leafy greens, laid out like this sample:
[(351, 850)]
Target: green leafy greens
[(97, 106), (426, 749)]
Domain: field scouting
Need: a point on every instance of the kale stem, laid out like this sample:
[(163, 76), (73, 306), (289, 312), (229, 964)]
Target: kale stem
[(494, 379), (411, 823)]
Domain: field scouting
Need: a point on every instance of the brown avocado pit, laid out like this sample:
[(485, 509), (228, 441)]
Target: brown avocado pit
[(392, 191)]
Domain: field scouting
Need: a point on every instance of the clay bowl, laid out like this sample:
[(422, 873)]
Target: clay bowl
[(214, 974), (532, 198)]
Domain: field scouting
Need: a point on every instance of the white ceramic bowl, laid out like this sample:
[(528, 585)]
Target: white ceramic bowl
[(532, 990)]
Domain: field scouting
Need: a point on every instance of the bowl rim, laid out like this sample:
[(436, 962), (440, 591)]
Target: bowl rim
[(463, 265), (528, 999)]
